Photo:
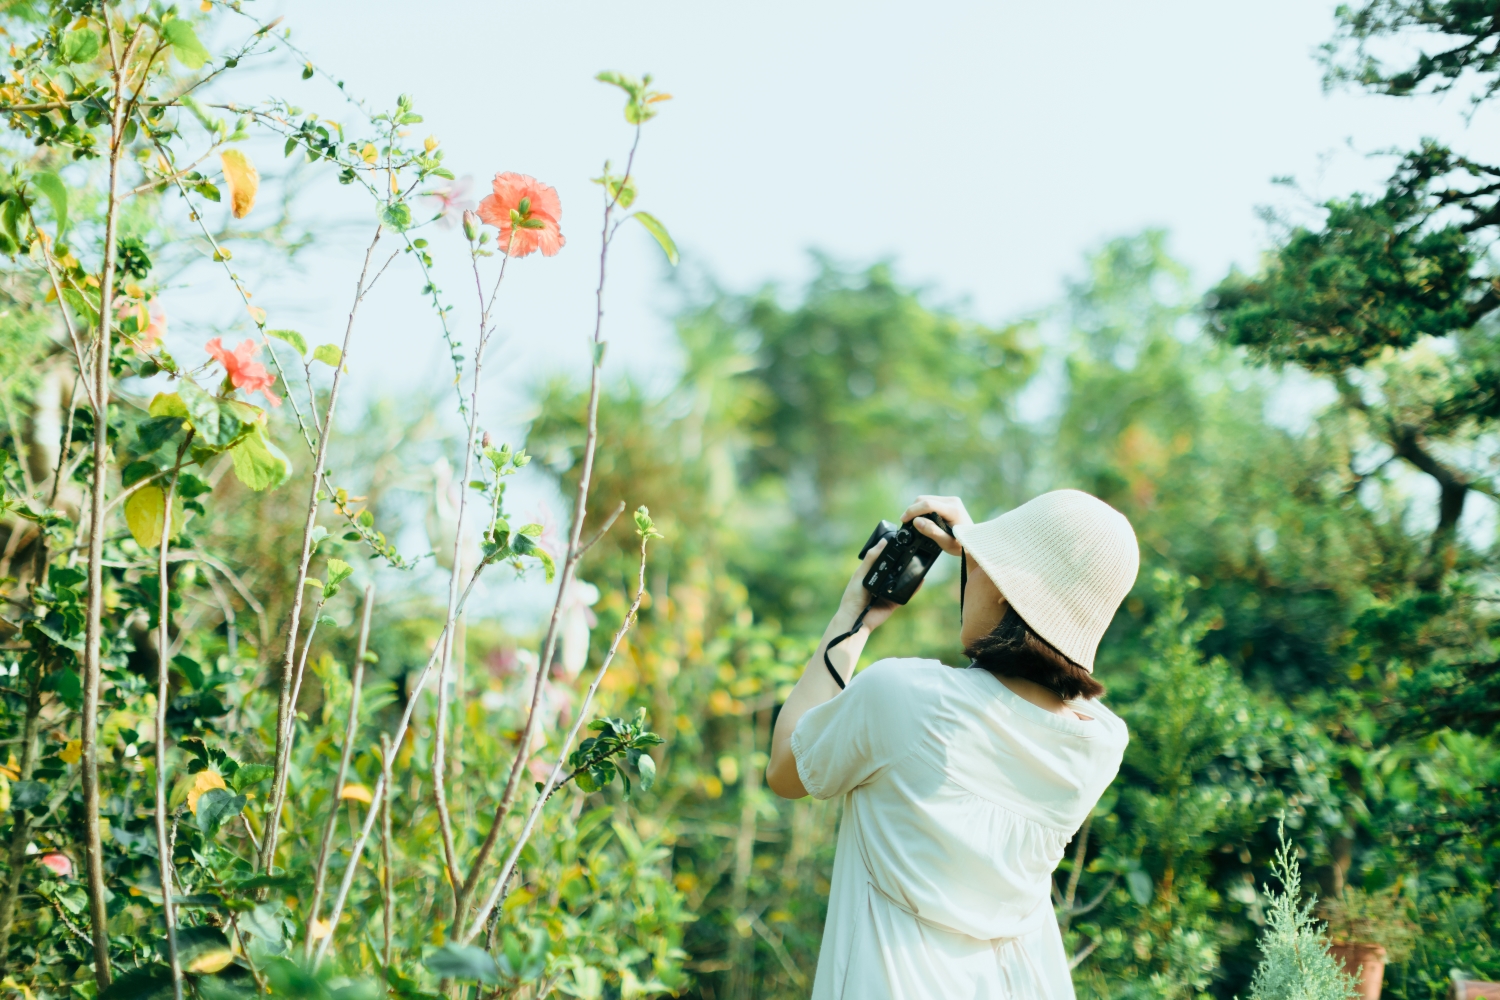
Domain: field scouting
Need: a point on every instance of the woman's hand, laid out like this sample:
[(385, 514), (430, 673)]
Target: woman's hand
[(951, 509), (855, 598)]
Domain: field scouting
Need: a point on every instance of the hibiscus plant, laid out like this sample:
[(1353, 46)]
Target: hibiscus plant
[(183, 816)]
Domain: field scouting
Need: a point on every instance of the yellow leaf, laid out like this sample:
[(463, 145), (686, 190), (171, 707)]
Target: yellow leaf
[(211, 961), (369, 154), (4, 793), (134, 291), (12, 769), (243, 181), (206, 6), (168, 404), (72, 753), (359, 793), (430, 143), (202, 782), (144, 512), (320, 929), (258, 314)]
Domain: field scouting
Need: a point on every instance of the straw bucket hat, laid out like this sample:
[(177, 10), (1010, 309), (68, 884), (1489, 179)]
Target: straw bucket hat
[(1064, 560)]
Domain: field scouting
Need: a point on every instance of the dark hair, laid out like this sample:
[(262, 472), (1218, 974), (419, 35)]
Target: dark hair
[(1012, 649)]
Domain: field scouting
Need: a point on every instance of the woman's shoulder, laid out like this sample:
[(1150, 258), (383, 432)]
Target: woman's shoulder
[(910, 684)]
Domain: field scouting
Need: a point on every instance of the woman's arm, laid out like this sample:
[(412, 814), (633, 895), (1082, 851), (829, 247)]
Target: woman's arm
[(816, 685)]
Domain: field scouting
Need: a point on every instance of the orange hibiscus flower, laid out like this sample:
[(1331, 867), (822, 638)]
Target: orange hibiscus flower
[(243, 370), (530, 209)]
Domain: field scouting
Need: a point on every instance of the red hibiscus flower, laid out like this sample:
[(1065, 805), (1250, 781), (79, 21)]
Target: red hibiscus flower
[(528, 214), (243, 370)]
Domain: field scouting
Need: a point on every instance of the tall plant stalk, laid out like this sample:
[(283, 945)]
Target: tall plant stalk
[(439, 750), (163, 693), (94, 621), (351, 731), (286, 708), (574, 554)]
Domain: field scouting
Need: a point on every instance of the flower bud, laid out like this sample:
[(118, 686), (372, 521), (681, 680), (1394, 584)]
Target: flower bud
[(485, 441), (430, 143), (471, 225)]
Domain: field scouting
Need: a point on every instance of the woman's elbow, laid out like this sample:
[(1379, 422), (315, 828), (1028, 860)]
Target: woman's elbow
[(782, 777)]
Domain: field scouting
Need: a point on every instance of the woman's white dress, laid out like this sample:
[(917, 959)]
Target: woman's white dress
[(959, 800)]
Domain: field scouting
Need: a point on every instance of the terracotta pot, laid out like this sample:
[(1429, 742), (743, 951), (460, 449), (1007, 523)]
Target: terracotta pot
[(1366, 963), (1474, 989)]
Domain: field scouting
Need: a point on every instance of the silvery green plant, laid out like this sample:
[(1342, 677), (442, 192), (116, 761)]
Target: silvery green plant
[(1295, 963)]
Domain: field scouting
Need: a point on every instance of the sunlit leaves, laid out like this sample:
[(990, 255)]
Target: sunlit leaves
[(51, 186), (396, 216), (78, 46), (258, 462), (243, 180), (639, 97), (329, 354), (659, 232), (290, 337), (145, 512), (179, 34)]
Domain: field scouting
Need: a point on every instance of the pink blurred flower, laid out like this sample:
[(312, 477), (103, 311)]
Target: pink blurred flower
[(150, 321), (535, 204), (452, 201), (61, 864), (548, 539), (539, 768), (243, 370)]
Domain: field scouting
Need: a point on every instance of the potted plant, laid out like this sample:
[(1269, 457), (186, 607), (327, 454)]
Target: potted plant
[(1367, 930)]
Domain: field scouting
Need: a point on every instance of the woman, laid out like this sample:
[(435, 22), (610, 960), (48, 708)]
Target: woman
[(963, 787)]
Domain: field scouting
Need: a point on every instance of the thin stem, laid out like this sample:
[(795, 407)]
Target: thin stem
[(286, 708), (94, 626), (163, 693), (351, 730), (387, 887), (459, 884), (497, 895)]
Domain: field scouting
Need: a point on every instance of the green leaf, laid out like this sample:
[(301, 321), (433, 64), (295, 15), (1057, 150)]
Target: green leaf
[(338, 572), (153, 432), (52, 186), (249, 775), (548, 566), (329, 354), (291, 337), (168, 404), (464, 962), (1139, 884), (218, 423), (184, 41), (82, 305), (79, 46), (646, 767), (148, 982), (216, 807), (205, 119), (258, 463), (397, 216), (656, 229)]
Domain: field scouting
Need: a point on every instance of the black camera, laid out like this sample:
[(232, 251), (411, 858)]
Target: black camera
[(908, 556)]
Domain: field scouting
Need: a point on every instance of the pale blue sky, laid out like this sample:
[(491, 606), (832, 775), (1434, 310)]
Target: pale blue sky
[(984, 146)]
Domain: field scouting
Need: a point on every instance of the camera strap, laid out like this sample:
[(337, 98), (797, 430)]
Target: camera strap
[(840, 638), (963, 585)]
